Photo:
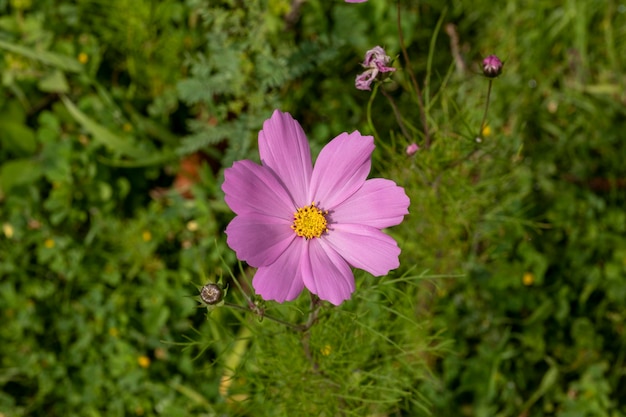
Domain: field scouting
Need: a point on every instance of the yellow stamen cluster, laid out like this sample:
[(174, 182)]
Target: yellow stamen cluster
[(309, 221)]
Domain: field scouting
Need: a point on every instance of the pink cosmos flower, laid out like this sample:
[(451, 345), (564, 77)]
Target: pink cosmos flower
[(305, 226)]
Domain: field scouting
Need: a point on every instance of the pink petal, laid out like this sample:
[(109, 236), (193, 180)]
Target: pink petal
[(252, 188), (379, 203), (365, 247), (284, 148), (326, 274), (282, 280), (341, 169), (364, 80), (259, 239)]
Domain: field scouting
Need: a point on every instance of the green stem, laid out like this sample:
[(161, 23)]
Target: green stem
[(369, 112), (265, 316), (396, 112), (416, 87), (482, 124)]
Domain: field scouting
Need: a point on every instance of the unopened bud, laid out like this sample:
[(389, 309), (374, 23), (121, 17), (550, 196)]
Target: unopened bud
[(211, 294), (492, 66)]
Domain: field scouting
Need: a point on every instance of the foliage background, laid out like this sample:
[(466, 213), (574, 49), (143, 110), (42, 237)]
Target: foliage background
[(117, 119)]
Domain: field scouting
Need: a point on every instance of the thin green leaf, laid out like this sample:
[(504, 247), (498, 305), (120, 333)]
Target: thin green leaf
[(101, 134), (54, 59)]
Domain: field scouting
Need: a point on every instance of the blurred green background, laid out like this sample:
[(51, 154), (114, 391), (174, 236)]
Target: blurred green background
[(118, 117)]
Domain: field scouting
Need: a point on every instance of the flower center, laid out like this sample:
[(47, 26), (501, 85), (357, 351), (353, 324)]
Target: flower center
[(309, 222)]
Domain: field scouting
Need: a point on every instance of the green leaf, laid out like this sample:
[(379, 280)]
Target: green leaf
[(54, 82), (18, 172), (549, 379), (59, 61), (158, 158), (101, 134), (17, 137)]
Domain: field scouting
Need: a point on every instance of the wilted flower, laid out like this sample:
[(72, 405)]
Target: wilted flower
[(492, 66), (377, 62), (364, 80), (412, 149), (305, 226)]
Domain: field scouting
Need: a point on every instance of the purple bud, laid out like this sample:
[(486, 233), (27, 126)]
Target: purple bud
[(492, 66)]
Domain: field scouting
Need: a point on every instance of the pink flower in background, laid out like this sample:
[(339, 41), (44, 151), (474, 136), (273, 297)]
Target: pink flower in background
[(305, 226), (412, 149), (377, 62)]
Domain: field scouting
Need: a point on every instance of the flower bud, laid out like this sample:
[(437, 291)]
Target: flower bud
[(211, 294), (492, 66), (412, 149)]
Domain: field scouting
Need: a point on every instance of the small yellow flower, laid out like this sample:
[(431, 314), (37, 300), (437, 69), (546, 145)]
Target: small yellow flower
[(83, 58), (486, 131), (146, 236), (192, 225), (8, 230), (113, 332), (143, 361), (528, 278), (49, 243), (326, 350)]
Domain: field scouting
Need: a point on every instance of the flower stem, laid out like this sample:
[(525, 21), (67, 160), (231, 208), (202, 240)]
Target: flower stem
[(416, 87), (396, 112), (263, 315), (369, 112), (482, 124), (306, 337)]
